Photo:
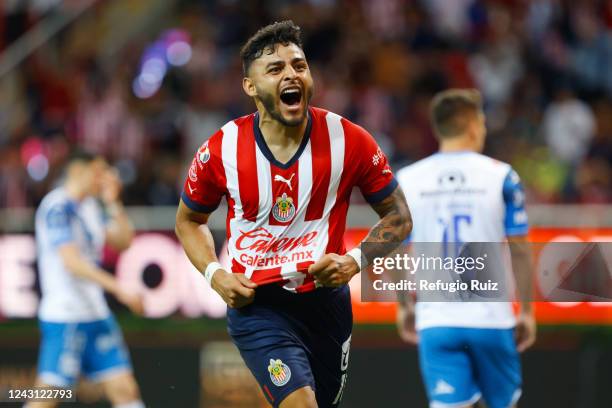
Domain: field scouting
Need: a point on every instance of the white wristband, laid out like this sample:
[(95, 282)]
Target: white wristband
[(355, 253), (210, 271)]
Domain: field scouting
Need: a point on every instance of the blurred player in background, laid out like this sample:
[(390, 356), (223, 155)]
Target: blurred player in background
[(287, 172), (79, 334), (468, 351)]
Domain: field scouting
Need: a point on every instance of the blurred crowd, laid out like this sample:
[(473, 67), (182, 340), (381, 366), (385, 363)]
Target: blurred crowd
[(544, 68)]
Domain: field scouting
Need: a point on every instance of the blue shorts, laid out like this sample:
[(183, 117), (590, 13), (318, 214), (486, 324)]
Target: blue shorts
[(95, 350), (290, 340), (461, 365)]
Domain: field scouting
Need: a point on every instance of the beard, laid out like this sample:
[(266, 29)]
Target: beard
[(268, 100)]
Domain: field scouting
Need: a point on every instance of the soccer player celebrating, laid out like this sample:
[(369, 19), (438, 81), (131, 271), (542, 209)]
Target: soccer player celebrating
[(79, 333), (287, 172), (468, 350)]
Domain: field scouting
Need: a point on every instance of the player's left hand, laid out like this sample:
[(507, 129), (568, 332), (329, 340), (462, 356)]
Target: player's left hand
[(334, 270), (525, 331)]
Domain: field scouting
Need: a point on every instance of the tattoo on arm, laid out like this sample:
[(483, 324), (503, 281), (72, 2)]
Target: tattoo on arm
[(394, 225)]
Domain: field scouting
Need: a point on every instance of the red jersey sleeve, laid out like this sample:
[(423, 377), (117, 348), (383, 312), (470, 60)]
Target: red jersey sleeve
[(205, 183), (373, 173)]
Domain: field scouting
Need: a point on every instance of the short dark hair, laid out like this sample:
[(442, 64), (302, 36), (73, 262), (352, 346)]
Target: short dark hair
[(283, 32), (77, 157), (81, 156), (452, 109)]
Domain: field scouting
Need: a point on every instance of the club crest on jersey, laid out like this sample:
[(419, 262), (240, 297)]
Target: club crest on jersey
[(283, 210), (280, 373)]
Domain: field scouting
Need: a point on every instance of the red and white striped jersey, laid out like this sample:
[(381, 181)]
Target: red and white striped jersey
[(283, 217)]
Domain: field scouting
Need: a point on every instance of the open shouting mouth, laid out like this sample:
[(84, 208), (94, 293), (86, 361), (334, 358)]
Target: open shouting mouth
[(291, 97)]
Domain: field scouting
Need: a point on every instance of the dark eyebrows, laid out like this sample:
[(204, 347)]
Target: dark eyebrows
[(274, 64), (281, 62)]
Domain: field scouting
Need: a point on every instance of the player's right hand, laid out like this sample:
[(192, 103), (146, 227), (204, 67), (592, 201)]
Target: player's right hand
[(132, 300), (234, 288), (406, 324)]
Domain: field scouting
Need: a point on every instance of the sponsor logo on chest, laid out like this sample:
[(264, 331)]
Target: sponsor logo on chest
[(261, 240)]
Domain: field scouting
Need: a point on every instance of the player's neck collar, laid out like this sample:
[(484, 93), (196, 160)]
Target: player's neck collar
[(265, 150), (74, 200), (462, 151)]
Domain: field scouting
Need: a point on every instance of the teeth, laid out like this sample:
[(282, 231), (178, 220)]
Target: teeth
[(287, 91)]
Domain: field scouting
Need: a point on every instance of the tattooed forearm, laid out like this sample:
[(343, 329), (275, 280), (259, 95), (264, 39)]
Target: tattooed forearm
[(393, 227), (395, 221)]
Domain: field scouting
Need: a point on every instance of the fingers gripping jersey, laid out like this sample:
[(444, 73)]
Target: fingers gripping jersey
[(282, 217)]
